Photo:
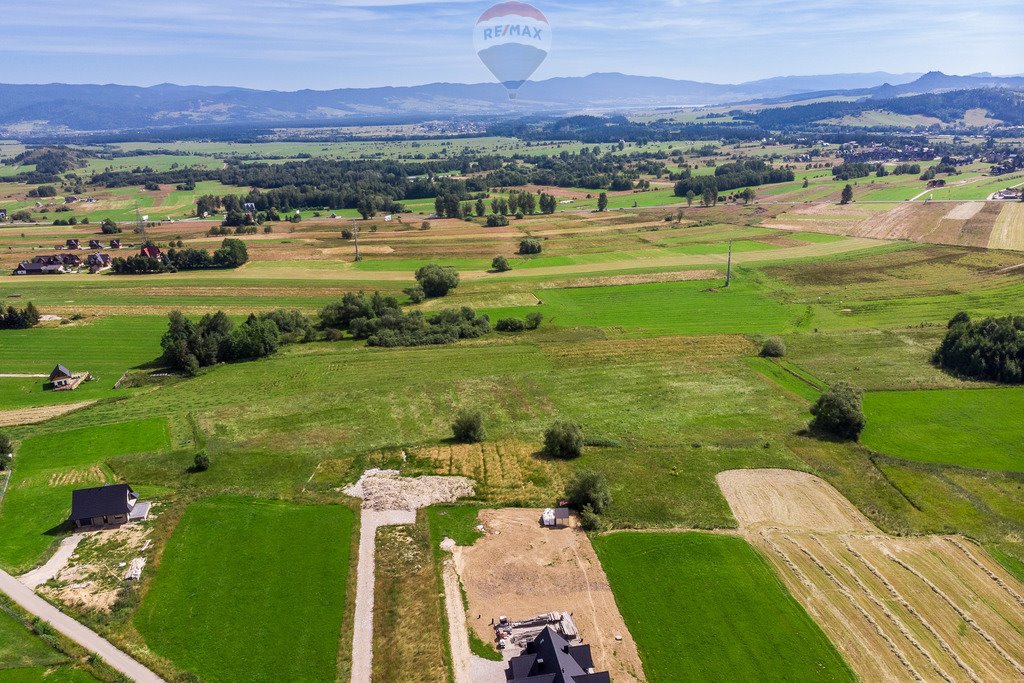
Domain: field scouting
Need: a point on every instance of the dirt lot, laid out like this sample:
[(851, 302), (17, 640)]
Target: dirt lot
[(519, 570), (25, 416), (932, 608)]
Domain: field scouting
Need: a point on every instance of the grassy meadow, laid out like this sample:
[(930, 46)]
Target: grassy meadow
[(705, 607), (252, 590)]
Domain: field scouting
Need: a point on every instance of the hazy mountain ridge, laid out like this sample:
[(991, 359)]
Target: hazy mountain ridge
[(114, 107)]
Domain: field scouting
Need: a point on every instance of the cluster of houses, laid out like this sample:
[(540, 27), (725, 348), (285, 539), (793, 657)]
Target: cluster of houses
[(67, 262), (1009, 194)]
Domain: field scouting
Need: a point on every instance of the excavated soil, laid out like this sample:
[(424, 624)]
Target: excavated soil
[(933, 608), (519, 570)]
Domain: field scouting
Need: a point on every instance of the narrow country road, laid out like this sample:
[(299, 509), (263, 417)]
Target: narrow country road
[(90, 640)]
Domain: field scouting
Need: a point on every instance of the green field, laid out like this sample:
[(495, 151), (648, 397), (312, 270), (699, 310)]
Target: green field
[(105, 347), (52, 464), (252, 590), (19, 648), (976, 428), (704, 607)]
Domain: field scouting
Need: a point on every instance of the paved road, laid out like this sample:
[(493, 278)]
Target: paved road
[(40, 575), (90, 640)]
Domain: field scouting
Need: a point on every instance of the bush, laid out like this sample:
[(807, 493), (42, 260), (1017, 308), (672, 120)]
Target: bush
[(468, 427), (201, 462), (533, 320), (530, 246), (773, 347), (564, 440), (425, 225), (510, 325), (496, 220), (839, 412), (416, 294), (347, 234), (590, 520), (500, 264), (436, 280), (109, 227), (588, 489)]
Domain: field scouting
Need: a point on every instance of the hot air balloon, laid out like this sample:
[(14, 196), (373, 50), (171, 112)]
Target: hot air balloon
[(512, 39)]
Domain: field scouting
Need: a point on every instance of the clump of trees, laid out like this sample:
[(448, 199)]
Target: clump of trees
[(468, 427), (839, 412), (742, 173), (847, 195), (436, 281), (497, 220), (563, 440), (231, 254), (13, 318), (991, 349), (773, 347), (381, 322), (109, 227), (532, 322), (215, 339), (589, 494), (530, 245)]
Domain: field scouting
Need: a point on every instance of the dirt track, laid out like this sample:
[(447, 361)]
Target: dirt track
[(520, 570), (26, 416), (931, 608)]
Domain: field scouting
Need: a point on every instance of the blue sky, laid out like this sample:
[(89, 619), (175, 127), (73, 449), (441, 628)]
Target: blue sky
[(295, 44)]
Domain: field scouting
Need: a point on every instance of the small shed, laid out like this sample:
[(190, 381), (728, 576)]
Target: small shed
[(103, 505), (60, 372), (555, 517)]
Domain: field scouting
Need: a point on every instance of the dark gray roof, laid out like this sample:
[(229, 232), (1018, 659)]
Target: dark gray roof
[(60, 371), (100, 501), (561, 513), (549, 658)]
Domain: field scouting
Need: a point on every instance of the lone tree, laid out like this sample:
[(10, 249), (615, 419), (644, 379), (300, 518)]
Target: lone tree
[(588, 489), (563, 440), (773, 347), (839, 412), (690, 196), (602, 202), (500, 264), (530, 245), (847, 195), (468, 427), (201, 462), (436, 280)]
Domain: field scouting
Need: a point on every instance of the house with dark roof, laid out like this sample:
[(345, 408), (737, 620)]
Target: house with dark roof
[(115, 244), (34, 268), (151, 251), (98, 262), (106, 505), (549, 658), (73, 244), (95, 244)]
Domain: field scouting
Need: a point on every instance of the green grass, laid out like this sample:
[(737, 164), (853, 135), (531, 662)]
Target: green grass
[(252, 590), (977, 428), (705, 607), (457, 522), (789, 377), (105, 347), (62, 674), (666, 308), (33, 510), (20, 648)]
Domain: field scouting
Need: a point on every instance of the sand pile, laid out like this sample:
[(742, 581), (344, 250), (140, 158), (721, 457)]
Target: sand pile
[(389, 490)]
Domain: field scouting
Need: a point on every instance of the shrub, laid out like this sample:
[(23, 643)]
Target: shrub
[(500, 264), (201, 462), (564, 440), (533, 320), (416, 294), (425, 225), (590, 520), (773, 347), (510, 325), (468, 427), (497, 220), (530, 246), (839, 412), (586, 489), (347, 234), (436, 280)]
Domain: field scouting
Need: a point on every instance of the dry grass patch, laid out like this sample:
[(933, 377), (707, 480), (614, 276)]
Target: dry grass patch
[(505, 472), (1008, 231), (26, 416)]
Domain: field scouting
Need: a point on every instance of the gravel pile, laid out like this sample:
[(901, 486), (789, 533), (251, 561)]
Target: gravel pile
[(389, 490)]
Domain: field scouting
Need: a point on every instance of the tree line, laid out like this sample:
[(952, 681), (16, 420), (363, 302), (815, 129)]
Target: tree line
[(231, 254)]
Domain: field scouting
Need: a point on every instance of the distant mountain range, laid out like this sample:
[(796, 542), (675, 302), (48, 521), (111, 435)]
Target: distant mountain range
[(61, 107)]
